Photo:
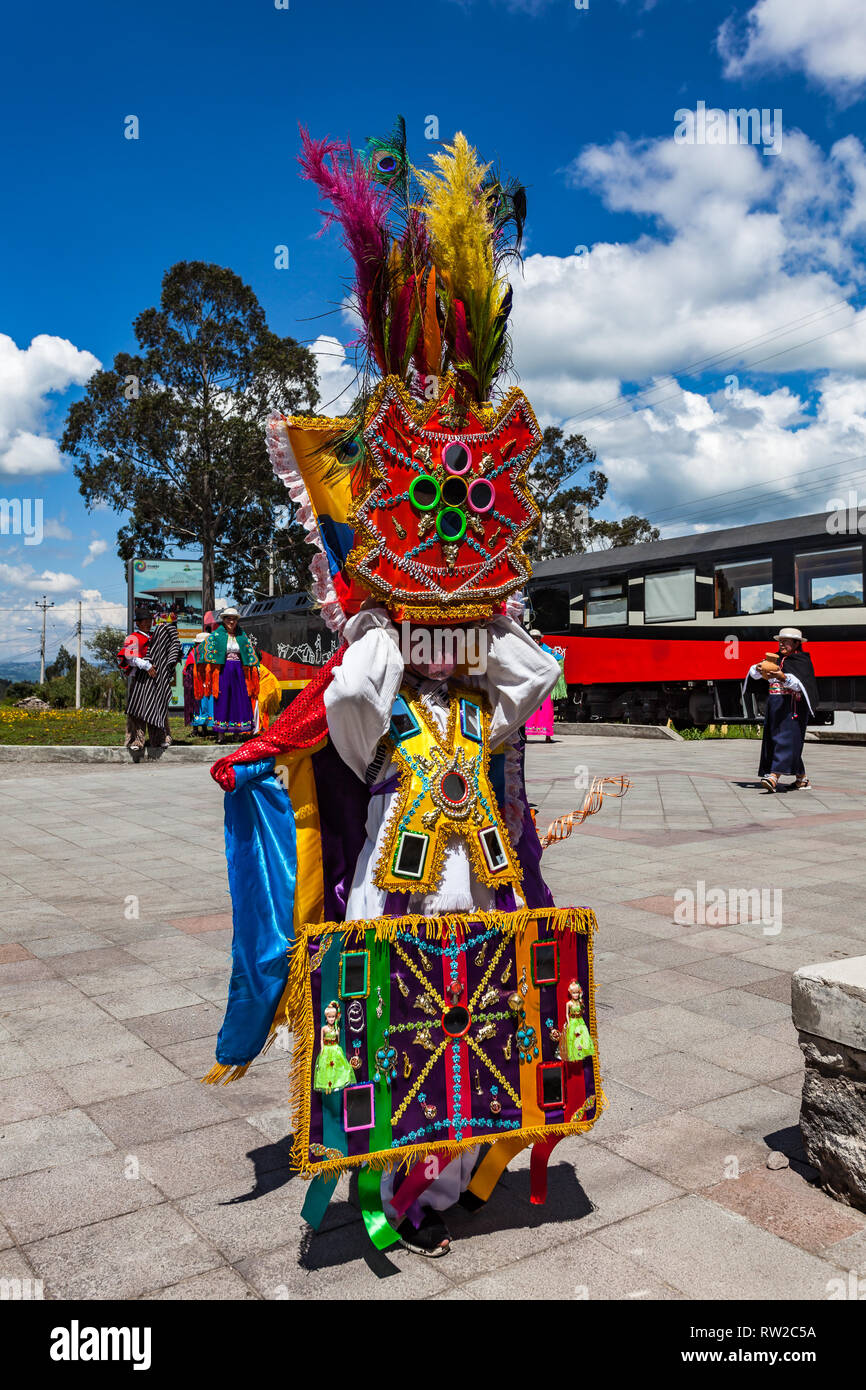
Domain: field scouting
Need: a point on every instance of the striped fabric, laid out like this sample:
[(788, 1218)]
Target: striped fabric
[(148, 697)]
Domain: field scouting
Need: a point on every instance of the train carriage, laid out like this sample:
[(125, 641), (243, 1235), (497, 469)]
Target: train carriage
[(291, 639), (667, 630)]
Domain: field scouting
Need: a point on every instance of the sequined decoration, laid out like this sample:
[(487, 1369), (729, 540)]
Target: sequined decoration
[(426, 1005), (380, 1007), (422, 1038), (386, 1069), (527, 1045)]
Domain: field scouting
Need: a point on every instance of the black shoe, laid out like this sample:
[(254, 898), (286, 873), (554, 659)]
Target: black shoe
[(431, 1238), (469, 1202)]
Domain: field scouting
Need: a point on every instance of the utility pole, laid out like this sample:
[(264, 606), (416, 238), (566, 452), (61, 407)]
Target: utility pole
[(78, 663), (44, 605)]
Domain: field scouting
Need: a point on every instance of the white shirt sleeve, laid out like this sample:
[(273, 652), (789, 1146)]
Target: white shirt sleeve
[(755, 673), (519, 677), (141, 662), (359, 699)]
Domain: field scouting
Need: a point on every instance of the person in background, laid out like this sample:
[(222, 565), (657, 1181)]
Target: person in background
[(541, 722), (148, 658), (792, 698), (202, 717), (270, 698), (231, 677)]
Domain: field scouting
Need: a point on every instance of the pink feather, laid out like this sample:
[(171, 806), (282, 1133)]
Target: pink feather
[(360, 207)]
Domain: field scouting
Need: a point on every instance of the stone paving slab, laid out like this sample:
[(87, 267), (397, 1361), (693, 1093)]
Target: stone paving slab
[(121, 1176)]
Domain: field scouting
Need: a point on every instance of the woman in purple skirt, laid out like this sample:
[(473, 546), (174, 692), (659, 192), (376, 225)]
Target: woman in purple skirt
[(231, 677)]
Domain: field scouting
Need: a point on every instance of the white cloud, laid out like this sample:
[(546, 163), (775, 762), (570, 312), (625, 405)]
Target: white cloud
[(48, 582), (27, 377), (684, 460), (93, 550), (826, 41), (745, 252), (22, 623), (55, 530), (338, 383)]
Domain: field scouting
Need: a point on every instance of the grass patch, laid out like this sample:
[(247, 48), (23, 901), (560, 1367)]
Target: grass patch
[(730, 731), (88, 727)]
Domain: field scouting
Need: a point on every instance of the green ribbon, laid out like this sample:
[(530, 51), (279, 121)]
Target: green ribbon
[(321, 1189), (380, 1231)]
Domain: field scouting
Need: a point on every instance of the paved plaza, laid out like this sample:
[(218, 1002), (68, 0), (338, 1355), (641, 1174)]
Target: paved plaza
[(122, 1177)]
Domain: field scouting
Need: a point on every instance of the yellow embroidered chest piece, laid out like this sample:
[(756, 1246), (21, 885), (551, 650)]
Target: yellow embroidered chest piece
[(445, 790)]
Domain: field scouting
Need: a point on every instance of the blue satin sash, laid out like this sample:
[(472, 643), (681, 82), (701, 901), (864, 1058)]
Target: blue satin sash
[(262, 870)]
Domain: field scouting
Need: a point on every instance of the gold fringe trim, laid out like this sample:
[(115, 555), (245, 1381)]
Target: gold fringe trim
[(576, 919), (299, 1008), (221, 1075), (406, 1155)]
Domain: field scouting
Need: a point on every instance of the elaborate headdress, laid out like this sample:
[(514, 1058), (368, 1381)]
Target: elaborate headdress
[(420, 497)]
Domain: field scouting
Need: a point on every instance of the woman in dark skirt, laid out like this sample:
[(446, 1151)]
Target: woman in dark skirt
[(791, 702), (231, 677)]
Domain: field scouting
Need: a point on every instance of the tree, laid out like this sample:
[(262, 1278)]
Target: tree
[(105, 644), (567, 525), (632, 530), (63, 663), (173, 434)]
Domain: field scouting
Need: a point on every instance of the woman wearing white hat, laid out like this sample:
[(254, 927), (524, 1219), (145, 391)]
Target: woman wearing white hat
[(792, 699), (231, 677)]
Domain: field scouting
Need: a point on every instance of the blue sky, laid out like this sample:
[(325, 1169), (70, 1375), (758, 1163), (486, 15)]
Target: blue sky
[(689, 250)]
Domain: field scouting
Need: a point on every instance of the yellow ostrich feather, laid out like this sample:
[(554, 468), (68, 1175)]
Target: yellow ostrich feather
[(461, 230)]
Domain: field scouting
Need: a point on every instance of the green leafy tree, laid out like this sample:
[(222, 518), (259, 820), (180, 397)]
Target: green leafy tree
[(173, 434), (632, 530), (63, 663), (567, 524), (105, 644)]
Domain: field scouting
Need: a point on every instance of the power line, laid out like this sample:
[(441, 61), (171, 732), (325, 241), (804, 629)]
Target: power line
[(763, 485), (626, 400), (690, 369)]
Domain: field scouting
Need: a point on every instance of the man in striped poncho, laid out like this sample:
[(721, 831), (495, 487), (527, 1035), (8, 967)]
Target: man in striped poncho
[(148, 661)]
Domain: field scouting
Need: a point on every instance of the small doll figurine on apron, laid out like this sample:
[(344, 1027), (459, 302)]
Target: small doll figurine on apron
[(575, 1042), (333, 1071)]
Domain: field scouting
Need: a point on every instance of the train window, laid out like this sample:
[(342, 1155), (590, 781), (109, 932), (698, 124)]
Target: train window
[(744, 588), (606, 604), (550, 609), (830, 578), (669, 597)]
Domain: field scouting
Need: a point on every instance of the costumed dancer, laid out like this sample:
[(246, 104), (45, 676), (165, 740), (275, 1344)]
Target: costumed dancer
[(231, 677), (358, 704), (390, 796), (270, 697), (788, 677), (148, 659), (541, 721)]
